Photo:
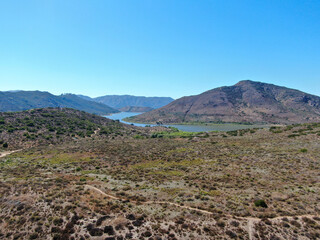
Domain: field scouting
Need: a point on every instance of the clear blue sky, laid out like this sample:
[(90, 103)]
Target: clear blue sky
[(157, 47)]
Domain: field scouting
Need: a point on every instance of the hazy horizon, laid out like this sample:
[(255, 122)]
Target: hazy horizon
[(85, 95)]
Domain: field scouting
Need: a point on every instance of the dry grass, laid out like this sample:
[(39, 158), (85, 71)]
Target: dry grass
[(43, 192)]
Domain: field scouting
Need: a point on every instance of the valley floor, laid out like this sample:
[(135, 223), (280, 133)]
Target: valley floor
[(255, 184)]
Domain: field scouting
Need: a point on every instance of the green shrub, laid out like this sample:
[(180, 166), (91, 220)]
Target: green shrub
[(57, 221), (260, 203), (5, 145), (138, 137), (30, 124), (48, 137), (51, 129), (303, 150), (11, 129), (33, 236), (277, 131), (60, 131), (233, 133), (293, 135), (288, 128)]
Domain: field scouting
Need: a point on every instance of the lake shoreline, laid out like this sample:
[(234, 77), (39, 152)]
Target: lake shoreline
[(187, 127), (206, 124)]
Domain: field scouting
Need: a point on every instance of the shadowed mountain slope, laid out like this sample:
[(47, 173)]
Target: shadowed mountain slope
[(25, 100), (135, 109), (120, 101)]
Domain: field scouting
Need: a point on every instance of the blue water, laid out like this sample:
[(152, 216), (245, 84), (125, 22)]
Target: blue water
[(186, 128)]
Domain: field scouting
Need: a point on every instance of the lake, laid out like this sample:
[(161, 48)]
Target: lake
[(187, 128)]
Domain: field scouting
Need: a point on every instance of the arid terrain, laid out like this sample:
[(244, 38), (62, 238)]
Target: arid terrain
[(163, 184), (159, 120), (245, 102)]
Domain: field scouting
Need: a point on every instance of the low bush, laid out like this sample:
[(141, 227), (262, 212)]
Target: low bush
[(260, 203)]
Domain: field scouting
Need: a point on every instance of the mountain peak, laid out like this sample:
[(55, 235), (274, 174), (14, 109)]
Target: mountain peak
[(247, 101), (247, 82)]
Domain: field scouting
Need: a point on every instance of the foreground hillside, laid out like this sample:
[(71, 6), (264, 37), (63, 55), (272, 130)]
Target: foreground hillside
[(25, 100), (246, 184), (247, 101), (57, 126)]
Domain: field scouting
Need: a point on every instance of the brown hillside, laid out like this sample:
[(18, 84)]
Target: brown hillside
[(247, 101)]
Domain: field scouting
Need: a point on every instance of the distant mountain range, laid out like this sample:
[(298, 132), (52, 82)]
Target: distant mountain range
[(120, 101), (13, 101), (245, 102)]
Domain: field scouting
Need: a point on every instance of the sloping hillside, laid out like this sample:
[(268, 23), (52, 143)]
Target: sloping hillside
[(247, 101), (25, 100), (135, 109), (54, 125)]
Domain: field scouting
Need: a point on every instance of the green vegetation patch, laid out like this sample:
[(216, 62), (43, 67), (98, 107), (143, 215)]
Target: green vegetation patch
[(179, 134)]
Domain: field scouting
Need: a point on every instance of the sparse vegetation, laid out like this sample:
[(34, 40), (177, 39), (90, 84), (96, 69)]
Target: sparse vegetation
[(127, 183)]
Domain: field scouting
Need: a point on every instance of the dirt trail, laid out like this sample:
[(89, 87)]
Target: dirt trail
[(3, 154), (102, 193), (250, 228), (148, 202), (178, 205), (251, 220)]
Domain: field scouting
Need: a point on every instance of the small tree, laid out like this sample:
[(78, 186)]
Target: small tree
[(5, 145)]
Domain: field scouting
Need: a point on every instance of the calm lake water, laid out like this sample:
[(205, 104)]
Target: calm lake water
[(187, 128)]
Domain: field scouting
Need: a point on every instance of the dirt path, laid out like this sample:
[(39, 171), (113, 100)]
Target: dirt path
[(101, 192), (251, 220), (178, 205), (148, 202), (3, 154), (250, 228)]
